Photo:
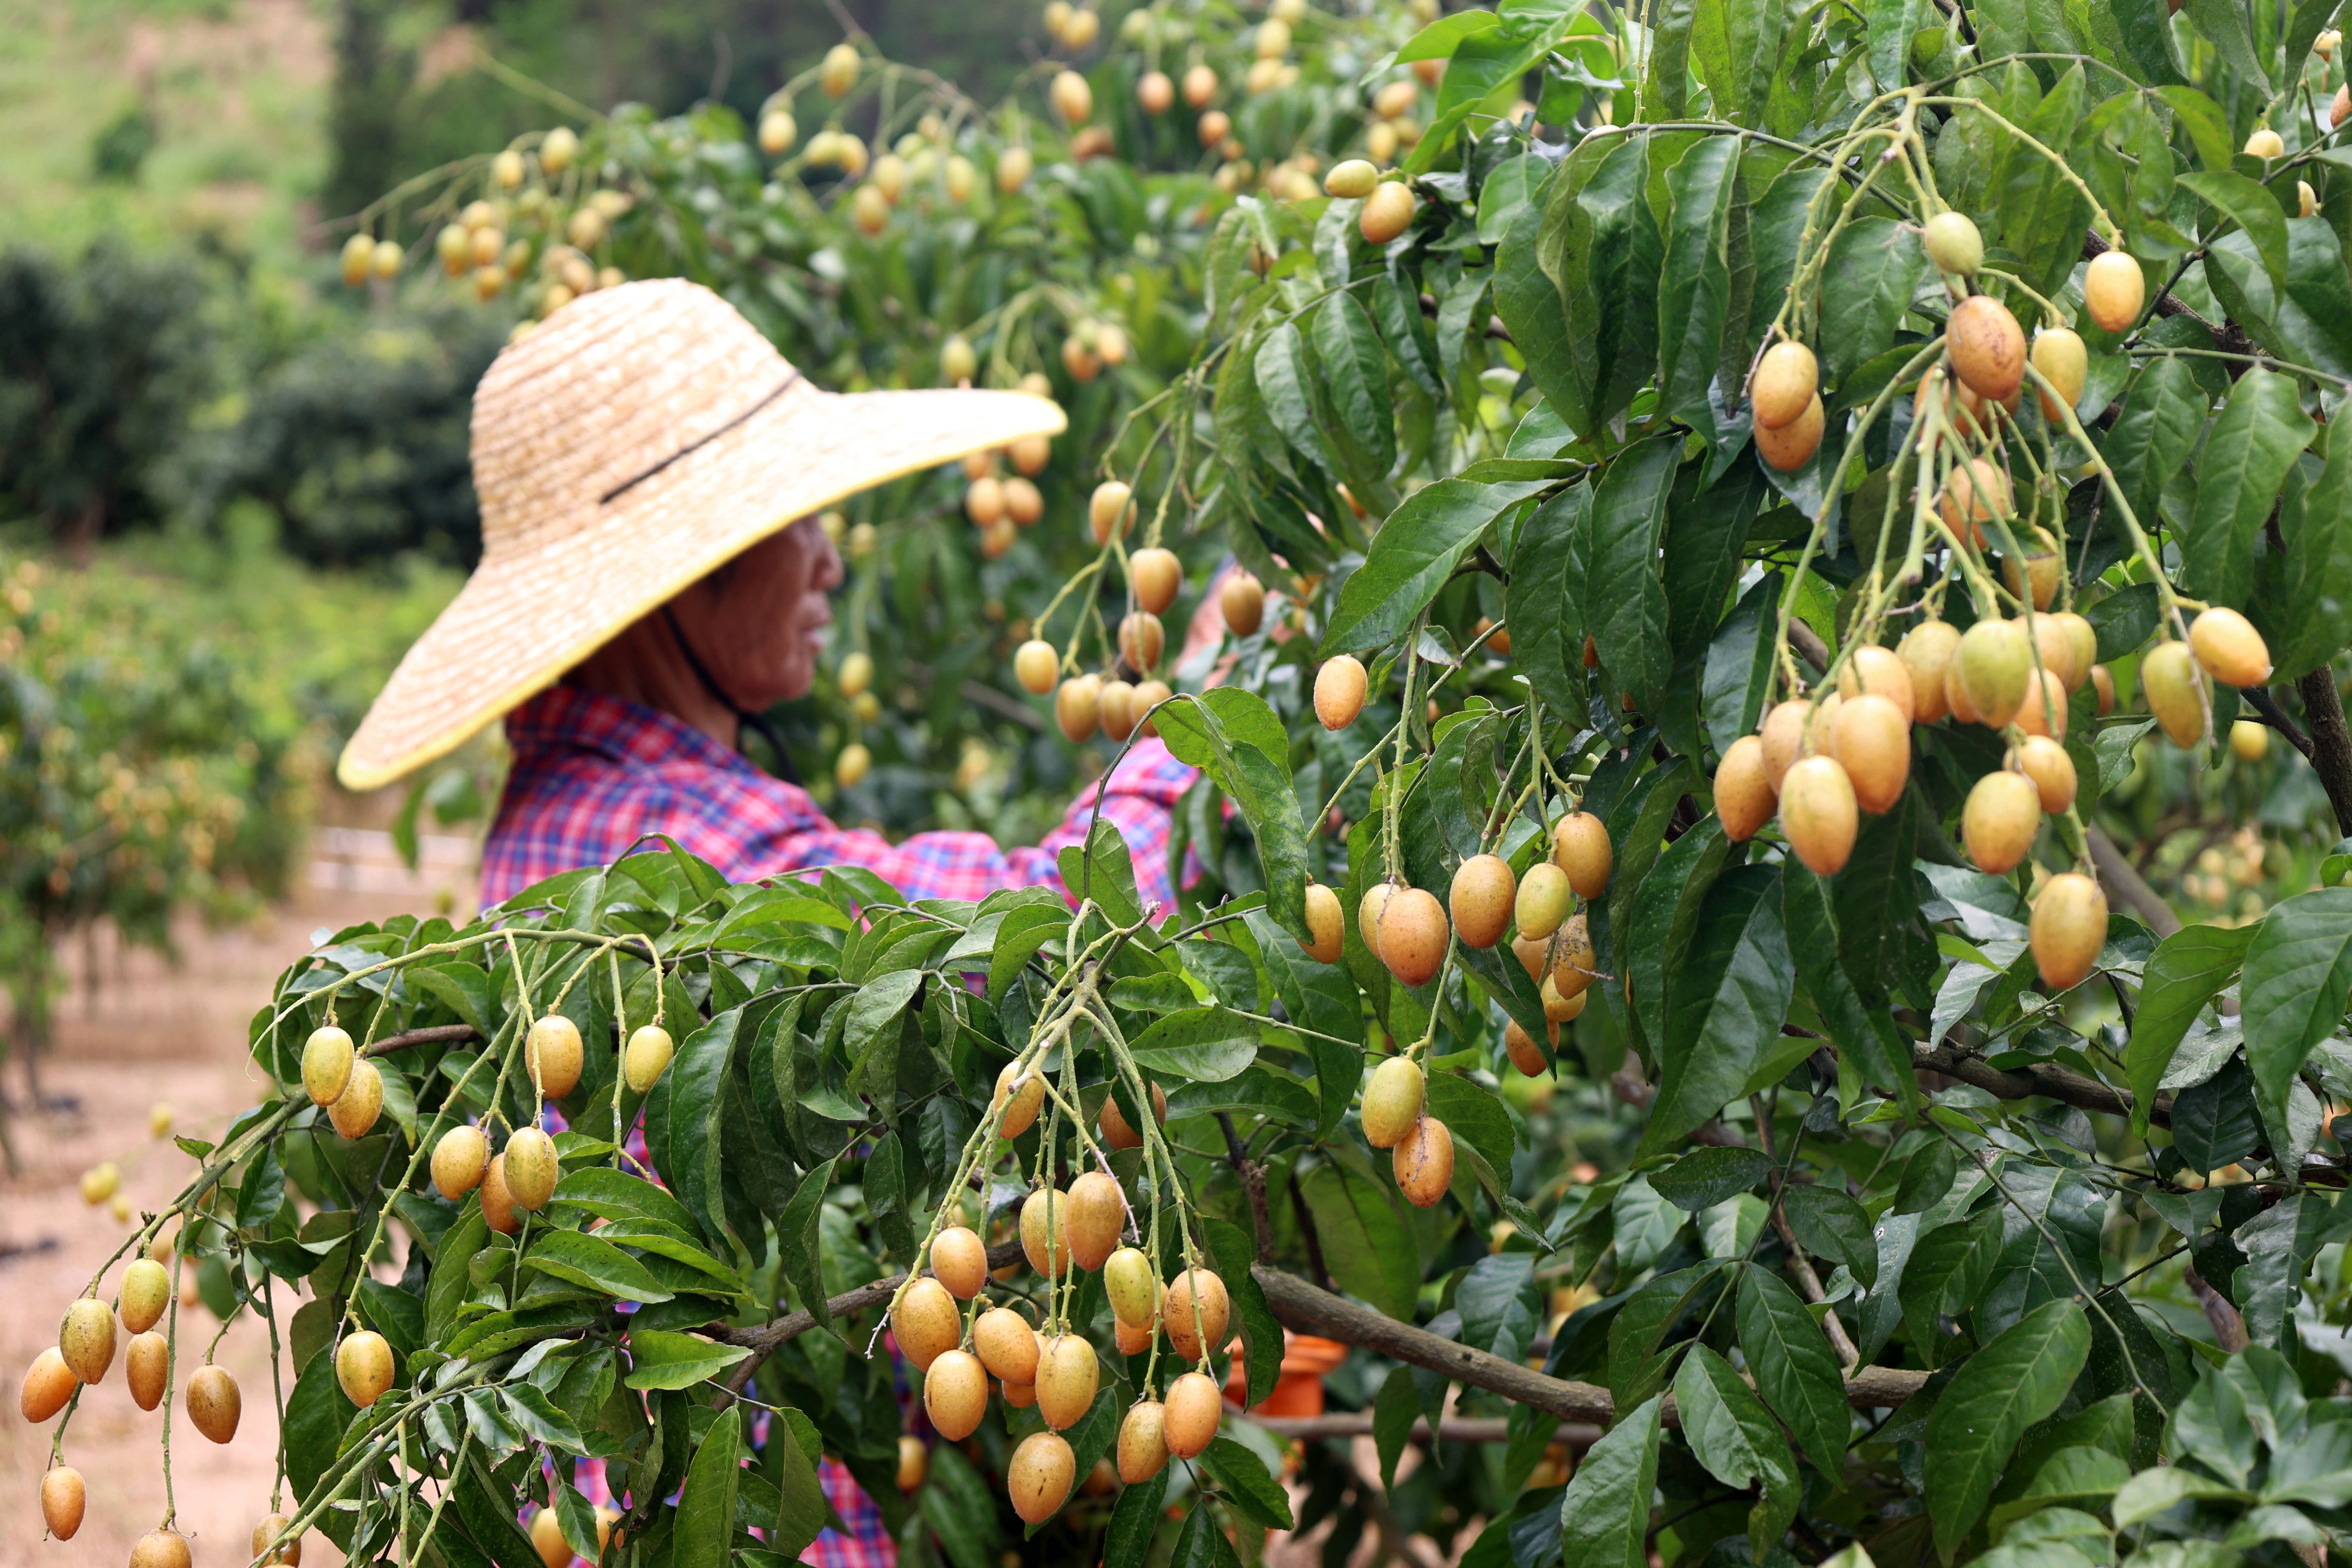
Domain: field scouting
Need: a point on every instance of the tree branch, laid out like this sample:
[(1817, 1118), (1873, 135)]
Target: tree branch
[(1808, 644), (439, 1034), (762, 1341), (1577, 1434), (2035, 1079), (2229, 337), (2124, 885), (2331, 742)]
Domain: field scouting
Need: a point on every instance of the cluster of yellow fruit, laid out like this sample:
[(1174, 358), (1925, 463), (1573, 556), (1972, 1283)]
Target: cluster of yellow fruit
[(83, 1354), (1818, 763), (1986, 352), (482, 242), (960, 1350)]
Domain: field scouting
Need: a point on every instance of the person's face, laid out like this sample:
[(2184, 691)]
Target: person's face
[(759, 622)]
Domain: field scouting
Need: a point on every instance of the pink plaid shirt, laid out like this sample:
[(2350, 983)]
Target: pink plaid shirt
[(594, 774)]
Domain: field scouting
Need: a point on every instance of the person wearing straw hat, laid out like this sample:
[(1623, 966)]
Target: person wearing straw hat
[(649, 470)]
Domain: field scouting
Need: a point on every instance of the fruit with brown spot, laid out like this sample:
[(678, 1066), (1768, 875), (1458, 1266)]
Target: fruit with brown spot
[(1927, 651), (146, 1367), (1068, 1376), (1118, 1132), (1339, 687), (160, 1548), (146, 1291), (1792, 445), (1880, 672), (460, 1160), (532, 1169), (1142, 1441), (1995, 659), (1039, 1475), (955, 1394), (1784, 739), (1328, 921), (1574, 964), (1580, 847), (1870, 739), (2068, 929), (1195, 1408), (1423, 1162), (1819, 814), (1046, 1230), (1998, 824), (1413, 935), (1196, 1291), (1786, 380), (63, 1500), (86, 1337), (2227, 644), (364, 1367), (2177, 691), (1543, 900), (215, 1403), (1743, 796), (327, 1057), (926, 1324), (2045, 762)]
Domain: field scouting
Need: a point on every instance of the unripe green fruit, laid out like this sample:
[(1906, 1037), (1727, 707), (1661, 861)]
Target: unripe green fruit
[(364, 1367), (1996, 657), (1954, 244), (146, 1292), (1543, 900), (86, 1339), (1393, 1102), (1352, 179), (647, 1057), (532, 1169), (957, 362), (1133, 1286), (327, 1057)]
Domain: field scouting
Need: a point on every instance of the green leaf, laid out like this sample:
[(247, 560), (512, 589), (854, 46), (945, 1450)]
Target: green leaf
[(1864, 1035), (2298, 972), (797, 1237), (704, 1533), (2153, 434), (1355, 377), (1727, 1004), (2015, 1381), (597, 1264), (1796, 1371), (2224, 24), (1731, 1433), (1625, 597), (1696, 284), (2252, 208), (1206, 1045), (317, 1412), (1482, 65), (1706, 1177), (1664, 910), (1474, 1115), (1738, 46), (1605, 1513), (2182, 975), (614, 1194), (1866, 286), (1233, 1251), (802, 1509), (663, 1360), (957, 1505), (1599, 246), (1414, 553), (1832, 1224), (1321, 997), (1242, 1476), (1394, 1410), (2316, 525), (696, 1080), (1530, 305), (2252, 443), (1543, 602), (1739, 663), (1367, 1246), (1234, 737)]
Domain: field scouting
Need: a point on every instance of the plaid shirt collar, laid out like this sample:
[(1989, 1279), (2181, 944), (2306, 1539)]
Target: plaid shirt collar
[(575, 719)]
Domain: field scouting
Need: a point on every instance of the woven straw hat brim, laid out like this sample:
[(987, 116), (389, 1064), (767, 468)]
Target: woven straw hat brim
[(532, 612)]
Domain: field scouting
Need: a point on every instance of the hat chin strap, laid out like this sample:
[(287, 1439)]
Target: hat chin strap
[(755, 722)]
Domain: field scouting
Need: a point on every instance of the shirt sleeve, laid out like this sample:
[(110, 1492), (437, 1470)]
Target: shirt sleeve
[(1139, 800)]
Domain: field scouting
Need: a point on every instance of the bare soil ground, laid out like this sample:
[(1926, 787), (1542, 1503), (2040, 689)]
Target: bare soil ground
[(153, 1032)]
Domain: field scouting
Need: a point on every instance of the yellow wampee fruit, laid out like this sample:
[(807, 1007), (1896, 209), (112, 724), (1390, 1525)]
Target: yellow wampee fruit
[(2114, 290), (647, 1056), (1953, 243), (327, 1057), (1413, 932), (1339, 687), (355, 1110), (955, 1394), (1580, 847), (63, 1500), (554, 1051), (1871, 738), (1117, 1133), (1786, 380), (1743, 795), (1328, 921), (1423, 1162), (2045, 762), (1879, 672), (1097, 1212), (160, 1548), (364, 1367), (1819, 814), (146, 1367), (1068, 1376), (1195, 1311), (1995, 658), (1998, 823), (86, 1339), (146, 1292), (926, 1324), (215, 1403), (2068, 929), (960, 1261), (1986, 346), (1388, 212), (1046, 1230), (1142, 1441), (532, 1169), (1195, 1407), (1392, 1100), (2059, 356), (1791, 447), (1542, 901), (2174, 686), (1038, 1479), (2227, 644), (48, 1383)]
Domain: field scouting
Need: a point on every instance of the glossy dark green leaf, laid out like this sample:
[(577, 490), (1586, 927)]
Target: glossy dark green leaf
[(659, 1359), (1663, 911), (1695, 284), (1731, 1433), (797, 1230), (1414, 553), (2163, 411), (2223, 25), (1234, 737), (2124, 620), (1727, 1006), (2316, 525), (1605, 1513), (1738, 46), (1285, 392), (1355, 377), (1206, 1045), (1946, 1269), (1928, 1178), (2041, 211), (1866, 286), (1795, 1370), (1473, 1113), (803, 1510), (2254, 442), (704, 1533), (1135, 1518), (2013, 1382), (2183, 974), (2215, 1123), (1234, 1252), (1366, 1244), (2298, 971), (1529, 303), (1738, 663), (1706, 1177), (596, 1263), (1866, 1037), (1601, 247), (1544, 602), (1625, 597), (2253, 209), (1242, 1476)]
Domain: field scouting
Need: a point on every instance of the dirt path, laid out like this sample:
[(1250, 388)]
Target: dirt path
[(175, 1035)]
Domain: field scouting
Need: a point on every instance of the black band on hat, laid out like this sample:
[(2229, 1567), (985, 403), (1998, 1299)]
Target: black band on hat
[(626, 485)]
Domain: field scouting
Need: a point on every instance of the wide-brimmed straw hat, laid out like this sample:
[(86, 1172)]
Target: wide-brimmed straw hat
[(638, 438)]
